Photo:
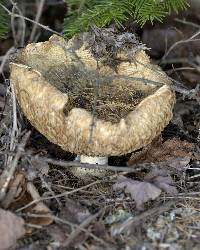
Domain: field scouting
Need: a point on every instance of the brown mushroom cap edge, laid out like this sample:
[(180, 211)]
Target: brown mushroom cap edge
[(44, 105)]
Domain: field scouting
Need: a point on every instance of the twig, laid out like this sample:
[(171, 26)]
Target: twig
[(93, 123), (132, 169), (176, 86), (59, 220), (188, 23), (12, 22), (149, 213), (130, 78), (137, 167), (184, 60), (22, 30), (5, 58), (78, 230), (169, 165), (48, 3), (30, 20), (8, 172), (13, 188), (170, 71), (57, 196), (37, 19), (40, 207), (190, 39), (33, 226), (49, 189), (14, 132), (182, 198)]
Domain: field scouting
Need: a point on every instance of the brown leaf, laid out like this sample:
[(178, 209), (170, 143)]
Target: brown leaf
[(39, 208), (38, 167), (141, 192), (166, 184), (74, 212), (99, 229), (163, 151), (162, 180), (57, 234), (11, 229)]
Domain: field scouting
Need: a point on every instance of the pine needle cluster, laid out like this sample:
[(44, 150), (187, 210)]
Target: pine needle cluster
[(4, 21), (84, 13)]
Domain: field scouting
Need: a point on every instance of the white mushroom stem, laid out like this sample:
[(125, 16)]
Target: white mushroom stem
[(103, 160), (85, 172)]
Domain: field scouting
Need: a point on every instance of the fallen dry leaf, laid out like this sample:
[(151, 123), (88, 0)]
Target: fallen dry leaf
[(162, 180), (140, 191), (37, 167), (39, 208), (149, 189), (15, 191), (11, 229), (74, 212), (57, 234), (99, 229)]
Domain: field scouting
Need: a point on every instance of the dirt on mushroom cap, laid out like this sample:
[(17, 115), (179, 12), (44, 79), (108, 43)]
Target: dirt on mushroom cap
[(108, 100), (105, 96)]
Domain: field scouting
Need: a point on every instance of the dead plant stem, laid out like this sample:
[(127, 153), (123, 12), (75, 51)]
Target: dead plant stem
[(5, 58), (190, 39), (30, 20), (57, 196), (22, 30), (37, 19), (72, 225), (169, 165), (137, 219), (78, 230), (187, 23), (8, 172)]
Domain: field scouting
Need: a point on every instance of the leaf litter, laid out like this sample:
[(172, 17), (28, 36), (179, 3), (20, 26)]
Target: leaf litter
[(11, 229), (149, 189)]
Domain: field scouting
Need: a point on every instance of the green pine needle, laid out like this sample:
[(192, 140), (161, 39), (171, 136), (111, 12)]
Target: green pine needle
[(4, 21), (84, 13)]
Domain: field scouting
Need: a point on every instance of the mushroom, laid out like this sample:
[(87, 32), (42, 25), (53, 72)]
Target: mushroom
[(89, 108)]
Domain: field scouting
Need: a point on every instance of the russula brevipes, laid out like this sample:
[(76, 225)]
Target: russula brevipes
[(89, 108)]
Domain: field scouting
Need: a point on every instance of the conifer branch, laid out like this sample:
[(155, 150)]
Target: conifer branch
[(84, 13), (4, 21)]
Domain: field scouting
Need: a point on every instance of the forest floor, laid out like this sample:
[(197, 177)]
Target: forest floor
[(44, 206)]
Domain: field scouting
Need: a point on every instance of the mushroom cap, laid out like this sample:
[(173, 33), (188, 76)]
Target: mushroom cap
[(53, 114)]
